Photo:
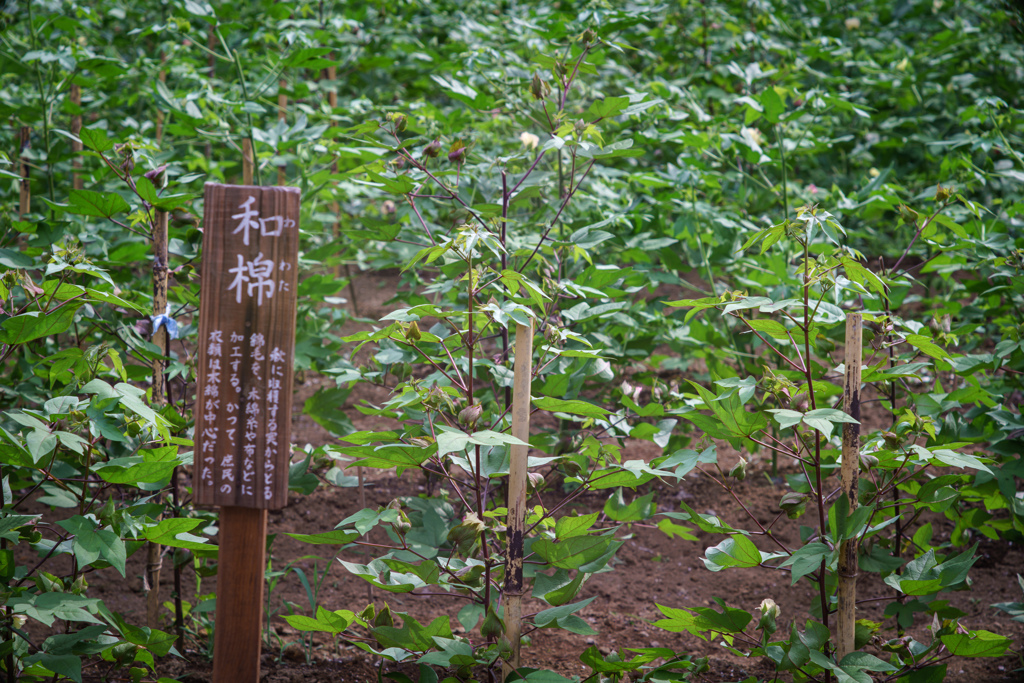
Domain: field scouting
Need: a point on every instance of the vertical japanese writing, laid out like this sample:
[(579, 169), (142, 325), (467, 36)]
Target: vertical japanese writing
[(274, 375), (210, 401)]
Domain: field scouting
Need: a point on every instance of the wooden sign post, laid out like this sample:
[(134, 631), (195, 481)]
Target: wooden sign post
[(244, 397)]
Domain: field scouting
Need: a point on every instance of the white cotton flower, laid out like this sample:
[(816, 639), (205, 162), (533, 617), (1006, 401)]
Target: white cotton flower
[(753, 136), (852, 24), (529, 140)]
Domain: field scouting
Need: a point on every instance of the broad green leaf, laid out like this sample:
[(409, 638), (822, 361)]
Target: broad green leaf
[(735, 551), (571, 407), (100, 204), (174, 532), (976, 644), (574, 552), (336, 537)]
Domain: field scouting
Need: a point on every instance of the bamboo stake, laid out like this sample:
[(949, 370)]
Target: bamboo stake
[(25, 200), (76, 132), (162, 77), (282, 108), (847, 566), (211, 64), (247, 161), (332, 102), (517, 476), (154, 561)]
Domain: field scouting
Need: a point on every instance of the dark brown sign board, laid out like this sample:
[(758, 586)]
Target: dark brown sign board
[(246, 346), (244, 398)]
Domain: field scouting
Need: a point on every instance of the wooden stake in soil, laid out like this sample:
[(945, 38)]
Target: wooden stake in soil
[(76, 131), (847, 565), (244, 398), (517, 480), (25, 199), (160, 338), (242, 558)]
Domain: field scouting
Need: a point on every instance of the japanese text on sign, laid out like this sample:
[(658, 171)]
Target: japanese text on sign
[(247, 324)]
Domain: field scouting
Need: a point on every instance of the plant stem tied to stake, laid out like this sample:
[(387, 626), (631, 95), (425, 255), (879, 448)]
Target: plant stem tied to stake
[(523, 372), (847, 566)]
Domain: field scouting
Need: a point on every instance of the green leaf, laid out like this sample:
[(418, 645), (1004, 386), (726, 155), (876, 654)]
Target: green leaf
[(574, 525), (29, 326), (927, 346), (807, 559), (976, 644), (100, 204), (735, 551), (174, 532), (698, 621), (639, 508), (336, 537), (92, 543), (772, 104), (571, 407), (96, 139), (574, 552), (326, 407)]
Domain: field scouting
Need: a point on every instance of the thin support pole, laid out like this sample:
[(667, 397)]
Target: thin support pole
[(849, 474), (282, 109), (154, 561), (517, 480), (25, 199), (76, 131)]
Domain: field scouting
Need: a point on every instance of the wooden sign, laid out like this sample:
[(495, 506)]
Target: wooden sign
[(246, 346)]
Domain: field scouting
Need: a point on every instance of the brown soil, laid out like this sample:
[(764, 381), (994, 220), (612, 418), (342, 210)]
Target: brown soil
[(650, 568)]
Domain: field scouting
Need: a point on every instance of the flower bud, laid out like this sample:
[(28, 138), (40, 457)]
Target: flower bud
[(892, 440), (535, 480), (942, 194), (157, 176), (412, 333), (470, 414), (588, 36), (368, 613), (739, 470), (432, 149), (403, 525), (401, 122), (867, 462), (770, 611), (466, 534), (908, 215), (580, 126), (571, 467), (793, 504), (538, 87), (457, 152)]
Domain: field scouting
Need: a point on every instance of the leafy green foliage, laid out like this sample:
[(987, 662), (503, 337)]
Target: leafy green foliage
[(662, 192)]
